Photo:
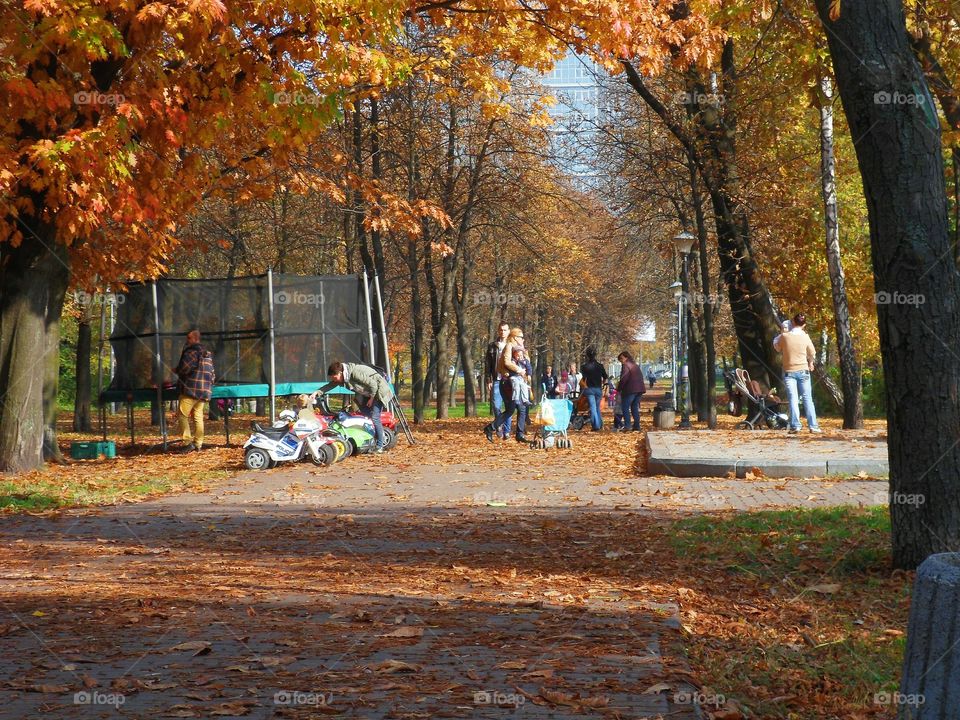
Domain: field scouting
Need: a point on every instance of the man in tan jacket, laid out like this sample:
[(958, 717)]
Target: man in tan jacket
[(797, 356)]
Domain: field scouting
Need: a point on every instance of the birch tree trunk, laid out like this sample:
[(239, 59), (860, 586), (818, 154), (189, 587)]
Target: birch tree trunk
[(846, 353)]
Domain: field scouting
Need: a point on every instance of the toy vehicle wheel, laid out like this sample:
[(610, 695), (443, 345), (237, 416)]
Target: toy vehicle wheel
[(325, 456), (569, 443), (256, 459), (332, 453), (389, 439)]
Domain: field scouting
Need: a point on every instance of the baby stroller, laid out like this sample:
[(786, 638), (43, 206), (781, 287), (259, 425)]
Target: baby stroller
[(556, 417), (581, 410), (767, 403)]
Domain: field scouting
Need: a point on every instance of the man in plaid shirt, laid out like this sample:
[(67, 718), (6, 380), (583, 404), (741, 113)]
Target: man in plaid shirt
[(196, 385)]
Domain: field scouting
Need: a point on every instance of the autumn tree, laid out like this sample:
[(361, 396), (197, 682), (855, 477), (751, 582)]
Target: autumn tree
[(110, 113), (892, 115)]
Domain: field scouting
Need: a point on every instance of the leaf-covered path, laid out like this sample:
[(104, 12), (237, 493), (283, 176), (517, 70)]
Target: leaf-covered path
[(449, 579), (263, 600)]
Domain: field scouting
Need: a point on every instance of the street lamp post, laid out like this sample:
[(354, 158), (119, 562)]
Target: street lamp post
[(684, 244), (677, 290), (673, 365)]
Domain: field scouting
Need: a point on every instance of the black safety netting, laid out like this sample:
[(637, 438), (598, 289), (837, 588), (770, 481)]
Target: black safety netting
[(317, 320)]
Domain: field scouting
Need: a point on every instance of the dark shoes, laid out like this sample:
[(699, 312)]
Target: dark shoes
[(522, 438), (488, 431)]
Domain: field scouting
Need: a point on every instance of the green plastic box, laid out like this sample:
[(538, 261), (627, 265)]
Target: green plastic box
[(93, 450)]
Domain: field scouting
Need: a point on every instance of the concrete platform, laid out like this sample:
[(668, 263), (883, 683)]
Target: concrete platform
[(702, 453)]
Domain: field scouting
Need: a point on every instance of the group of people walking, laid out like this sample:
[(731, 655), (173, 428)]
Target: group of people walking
[(509, 372)]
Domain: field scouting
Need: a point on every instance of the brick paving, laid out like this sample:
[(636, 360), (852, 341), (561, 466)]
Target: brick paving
[(475, 589)]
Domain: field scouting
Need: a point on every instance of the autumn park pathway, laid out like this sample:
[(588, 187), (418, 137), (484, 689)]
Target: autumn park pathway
[(451, 579)]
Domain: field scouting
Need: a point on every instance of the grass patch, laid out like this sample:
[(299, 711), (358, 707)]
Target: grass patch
[(430, 413), (799, 616), (39, 491), (775, 544)]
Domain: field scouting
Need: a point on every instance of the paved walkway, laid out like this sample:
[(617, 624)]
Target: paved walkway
[(292, 594), (699, 453), (552, 489)]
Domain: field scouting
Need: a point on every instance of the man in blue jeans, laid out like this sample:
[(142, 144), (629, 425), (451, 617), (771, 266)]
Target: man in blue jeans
[(797, 355), (497, 404), (595, 376), (365, 380), (630, 389)]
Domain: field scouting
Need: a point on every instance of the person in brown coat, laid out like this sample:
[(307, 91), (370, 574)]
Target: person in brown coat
[(630, 389)]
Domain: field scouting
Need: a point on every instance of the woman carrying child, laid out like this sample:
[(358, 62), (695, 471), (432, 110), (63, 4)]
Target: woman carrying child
[(514, 389)]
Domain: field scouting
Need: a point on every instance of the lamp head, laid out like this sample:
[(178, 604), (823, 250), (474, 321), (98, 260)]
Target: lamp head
[(684, 242), (677, 289)]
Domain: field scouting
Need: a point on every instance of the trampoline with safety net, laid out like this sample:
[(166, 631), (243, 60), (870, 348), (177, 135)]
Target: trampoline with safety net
[(272, 335)]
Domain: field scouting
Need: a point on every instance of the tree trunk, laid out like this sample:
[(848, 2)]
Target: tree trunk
[(359, 205), (540, 341), (376, 171), (416, 346), (891, 116), (750, 302), (464, 345), (81, 403), (51, 374), (452, 385), (696, 343), (822, 376), (708, 299), (849, 366), (458, 238), (412, 258), (33, 282), (955, 237), (713, 149)]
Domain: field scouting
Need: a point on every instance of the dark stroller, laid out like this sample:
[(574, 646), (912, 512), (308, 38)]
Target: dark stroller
[(581, 409), (767, 404)]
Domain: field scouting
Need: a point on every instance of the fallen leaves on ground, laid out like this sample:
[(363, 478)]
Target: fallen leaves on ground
[(560, 608)]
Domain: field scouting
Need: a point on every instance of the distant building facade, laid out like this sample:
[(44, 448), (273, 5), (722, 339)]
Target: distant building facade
[(576, 116)]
